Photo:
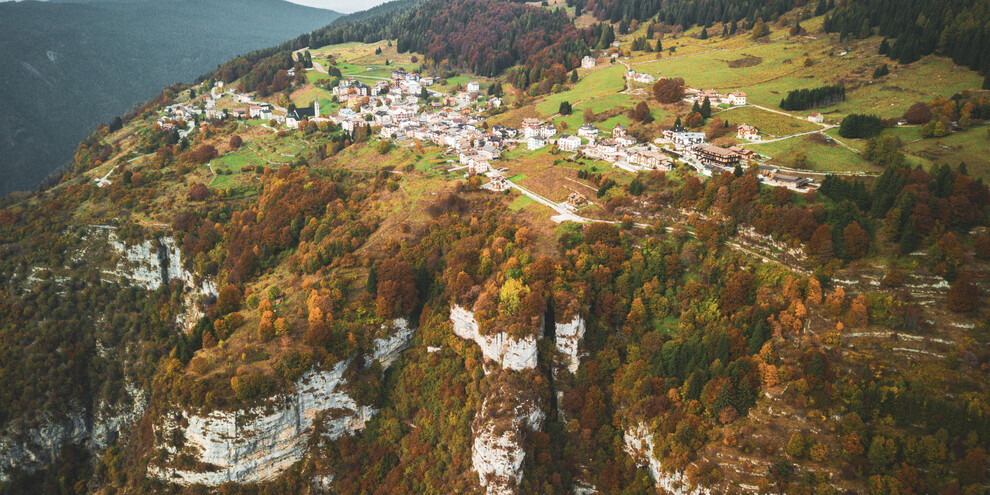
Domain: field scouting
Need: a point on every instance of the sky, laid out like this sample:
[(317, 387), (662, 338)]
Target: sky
[(346, 6)]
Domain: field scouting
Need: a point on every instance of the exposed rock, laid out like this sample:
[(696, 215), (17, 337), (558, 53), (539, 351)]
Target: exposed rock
[(387, 349), (497, 453), (40, 446), (261, 443), (258, 445), (639, 445), (510, 353), (568, 336)]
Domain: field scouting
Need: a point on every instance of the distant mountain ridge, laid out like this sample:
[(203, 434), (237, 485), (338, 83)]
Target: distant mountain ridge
[(70, 66)]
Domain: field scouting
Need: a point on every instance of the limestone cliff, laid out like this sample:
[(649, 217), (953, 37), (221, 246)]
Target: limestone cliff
[(260, 443), (509, 352), (639, 445)]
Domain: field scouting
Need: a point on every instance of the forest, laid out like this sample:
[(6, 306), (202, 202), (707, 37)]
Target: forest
[(953, 28)]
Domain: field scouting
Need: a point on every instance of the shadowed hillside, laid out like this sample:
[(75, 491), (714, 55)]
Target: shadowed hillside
[(70, 66)]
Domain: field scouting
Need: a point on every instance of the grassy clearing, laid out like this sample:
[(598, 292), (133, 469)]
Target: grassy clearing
[(969, 146), (521, 202), (306, 95), (770, 124), (822, 156), (592, 85)]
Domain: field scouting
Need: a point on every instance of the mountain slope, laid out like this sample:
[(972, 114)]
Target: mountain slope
[(70, 66)]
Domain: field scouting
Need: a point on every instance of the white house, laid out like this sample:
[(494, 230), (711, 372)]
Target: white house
[(816, 118), (588, 62), (548, 131), (473, 86), (749, 133), (681, 137), (736, 98), (625, 140), (535, 143), (568, 143), (588, 131)]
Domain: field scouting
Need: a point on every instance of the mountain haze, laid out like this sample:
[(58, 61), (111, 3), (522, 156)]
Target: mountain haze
[(70, 66)]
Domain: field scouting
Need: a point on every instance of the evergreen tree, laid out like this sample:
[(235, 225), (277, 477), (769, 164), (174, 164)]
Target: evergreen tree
[(706, 108), (565, 108), (884, 47), (659, 46), (372, 285), (704, 34), (574, 76), (696, 108), (821, 8), (677, 123)]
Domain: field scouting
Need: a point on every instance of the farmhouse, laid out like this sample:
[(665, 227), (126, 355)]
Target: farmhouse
[(619, 131), (473, 86), (749, 133), (639, 77), (816, 118), (714, 155), (736, 98), (711, 94), (588, 62), (548, 131)]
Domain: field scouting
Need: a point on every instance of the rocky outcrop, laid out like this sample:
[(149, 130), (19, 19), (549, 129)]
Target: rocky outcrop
[(510, 353), (639, 445), (497, 452), (567, 337), (260, 443), (39, 446), (387, 349)]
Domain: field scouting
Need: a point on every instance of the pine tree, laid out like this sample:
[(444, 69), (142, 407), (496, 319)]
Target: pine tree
[(706, 108), (884, 47), (574, 76), (659, 46), (372, 285), (696, 108), (704, 34), (821, 8), (677, 123)]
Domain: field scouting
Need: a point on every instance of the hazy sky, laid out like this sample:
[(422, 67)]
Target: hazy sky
[(347, 6)]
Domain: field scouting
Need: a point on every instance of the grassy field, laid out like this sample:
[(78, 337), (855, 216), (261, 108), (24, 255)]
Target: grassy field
[(305, 96), (770, 124), (822, 156), (969, 146)]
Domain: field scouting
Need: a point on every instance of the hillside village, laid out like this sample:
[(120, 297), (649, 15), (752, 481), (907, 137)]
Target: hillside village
[(405, 109)]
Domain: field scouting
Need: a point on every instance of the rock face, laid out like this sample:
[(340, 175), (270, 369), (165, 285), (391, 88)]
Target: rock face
[(639, 445), (497, 452), (508, 352), (258, 445), (568, 336), (387, 349), (39, 446), (261, 443)]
